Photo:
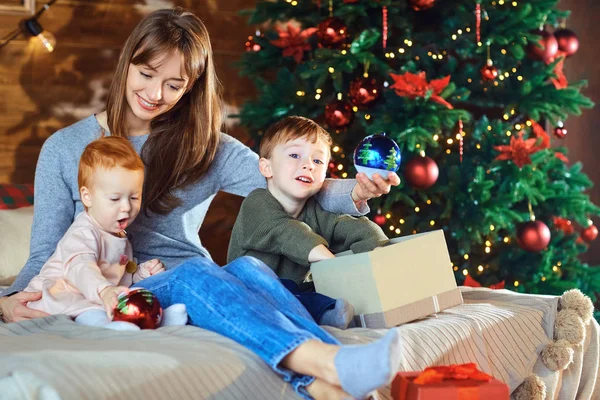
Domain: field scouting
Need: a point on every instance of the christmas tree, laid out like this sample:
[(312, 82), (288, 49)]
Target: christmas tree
[(468, 90)]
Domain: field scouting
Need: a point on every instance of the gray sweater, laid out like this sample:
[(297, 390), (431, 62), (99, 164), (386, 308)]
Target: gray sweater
[(173, 238), (264, 230)]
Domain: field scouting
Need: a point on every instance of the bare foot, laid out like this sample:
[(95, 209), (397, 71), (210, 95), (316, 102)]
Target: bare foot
[(320, 389)]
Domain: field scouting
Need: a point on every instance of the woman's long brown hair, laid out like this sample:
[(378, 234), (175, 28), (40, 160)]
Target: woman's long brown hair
[(183, 141)]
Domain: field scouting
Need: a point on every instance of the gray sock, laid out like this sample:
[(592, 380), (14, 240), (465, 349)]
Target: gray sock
[(364, 368), (339, 316)]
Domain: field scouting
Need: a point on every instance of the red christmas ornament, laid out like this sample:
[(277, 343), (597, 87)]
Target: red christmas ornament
[(560, 131), (421, 172), (139, 307), (332, 33), (533, 236), (364, 91), (567, 41), (548, 49), (338, 114), (564, 225), (590, 233), (489, 72), (419, 5), (251, 45), (379, 219)]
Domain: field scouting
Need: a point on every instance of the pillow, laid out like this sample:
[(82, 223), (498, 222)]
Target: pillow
[(15, 229)]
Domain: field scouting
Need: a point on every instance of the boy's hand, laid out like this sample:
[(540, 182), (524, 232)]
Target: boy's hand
[(153, 266), (366, 189), (109, 295), (319, 253)]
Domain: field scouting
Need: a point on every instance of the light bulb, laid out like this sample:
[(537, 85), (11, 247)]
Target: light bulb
[(46, 38)]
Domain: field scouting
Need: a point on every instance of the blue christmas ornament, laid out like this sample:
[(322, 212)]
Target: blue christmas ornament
[(377, 154)]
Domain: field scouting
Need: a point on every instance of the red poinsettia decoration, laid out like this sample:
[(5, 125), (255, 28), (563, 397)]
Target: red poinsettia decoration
[(539, 132), (518, 151), (293, 41), (564, 225), (560, 82), (473, 283), (561, 157), (416, 85)]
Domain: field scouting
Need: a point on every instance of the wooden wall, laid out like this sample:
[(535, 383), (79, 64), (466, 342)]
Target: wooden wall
[(41, 92)]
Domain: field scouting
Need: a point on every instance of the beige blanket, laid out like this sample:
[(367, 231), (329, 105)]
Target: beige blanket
[(503, 332)]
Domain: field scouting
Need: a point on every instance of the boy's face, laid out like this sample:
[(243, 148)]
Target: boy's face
[(115, 198), (296, 169)]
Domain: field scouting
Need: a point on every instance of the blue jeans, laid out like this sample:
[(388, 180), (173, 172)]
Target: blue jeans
[(246, 302)]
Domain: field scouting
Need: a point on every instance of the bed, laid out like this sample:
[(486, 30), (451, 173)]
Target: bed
[(509, 335)]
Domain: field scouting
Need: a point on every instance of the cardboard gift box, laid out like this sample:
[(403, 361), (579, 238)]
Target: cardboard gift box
[(408, 279), (445, 383)]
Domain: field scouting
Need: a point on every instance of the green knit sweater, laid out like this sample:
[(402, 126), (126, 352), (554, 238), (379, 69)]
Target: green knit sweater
[(264, 230)]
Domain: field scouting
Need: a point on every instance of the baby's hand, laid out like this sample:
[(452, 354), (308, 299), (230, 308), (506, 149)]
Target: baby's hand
[(153, 266), (109, 295)]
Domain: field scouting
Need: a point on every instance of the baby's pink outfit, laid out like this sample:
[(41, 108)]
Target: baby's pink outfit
[(87, 259)]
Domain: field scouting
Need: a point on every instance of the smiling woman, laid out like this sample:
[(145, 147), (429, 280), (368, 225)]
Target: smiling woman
[(153, 90)]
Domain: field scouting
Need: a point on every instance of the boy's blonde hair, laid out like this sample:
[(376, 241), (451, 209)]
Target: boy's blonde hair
[(106, 153), (291, 128)]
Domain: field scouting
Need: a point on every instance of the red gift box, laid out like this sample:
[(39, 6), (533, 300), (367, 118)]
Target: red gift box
[(454, 382)]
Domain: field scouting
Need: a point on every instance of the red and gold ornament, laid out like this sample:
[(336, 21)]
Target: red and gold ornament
[(420, 5), (533, 236), (140, 307), (332, 33), (421, 172), (548, 46), (364, 91), (338, 114), (590, 233), (489, 72), (560, 131), (567, 41)]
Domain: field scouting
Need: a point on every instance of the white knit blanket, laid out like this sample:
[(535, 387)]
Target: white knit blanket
[(503, 332)]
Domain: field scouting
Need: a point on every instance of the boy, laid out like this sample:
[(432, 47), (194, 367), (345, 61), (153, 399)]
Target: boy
[(93, 261), (286, 228)]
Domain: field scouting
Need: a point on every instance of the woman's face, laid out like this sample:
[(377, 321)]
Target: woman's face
[(154, 89)]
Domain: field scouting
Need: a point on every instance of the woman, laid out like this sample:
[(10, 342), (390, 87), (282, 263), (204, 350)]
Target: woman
[(166, 99)]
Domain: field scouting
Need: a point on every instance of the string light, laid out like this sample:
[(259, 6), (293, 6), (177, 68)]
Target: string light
[(480, 268), (466, 256), (465, 272), (32, 28), (402, 221), (516, 283), (417, 209)]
